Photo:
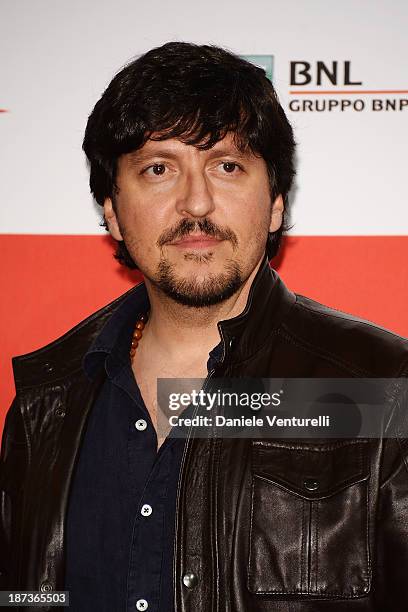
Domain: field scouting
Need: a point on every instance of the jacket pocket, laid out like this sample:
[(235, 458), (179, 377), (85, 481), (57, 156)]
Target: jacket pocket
[(309, 519)]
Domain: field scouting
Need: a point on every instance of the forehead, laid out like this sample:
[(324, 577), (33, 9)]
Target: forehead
[(176, 147)]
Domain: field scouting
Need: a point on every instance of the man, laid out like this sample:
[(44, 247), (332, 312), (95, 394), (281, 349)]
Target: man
[(191, 157)]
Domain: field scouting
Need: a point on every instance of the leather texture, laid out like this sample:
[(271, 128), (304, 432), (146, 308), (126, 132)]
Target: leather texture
[(247, 528)]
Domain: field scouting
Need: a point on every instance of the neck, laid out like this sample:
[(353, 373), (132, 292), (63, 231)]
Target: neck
[(171, 325)]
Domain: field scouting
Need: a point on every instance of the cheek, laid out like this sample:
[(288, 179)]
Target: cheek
[(255, 212), (144, 206), (141, 223)]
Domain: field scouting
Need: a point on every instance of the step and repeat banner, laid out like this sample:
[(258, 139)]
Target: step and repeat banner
[(341, 74)]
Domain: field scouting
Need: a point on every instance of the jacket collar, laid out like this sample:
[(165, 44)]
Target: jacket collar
[(268, 303)]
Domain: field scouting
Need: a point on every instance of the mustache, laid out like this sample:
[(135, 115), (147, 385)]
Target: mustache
[(205, 226)]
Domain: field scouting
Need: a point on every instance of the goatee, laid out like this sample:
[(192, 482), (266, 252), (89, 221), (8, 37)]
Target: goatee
[(189, 292)]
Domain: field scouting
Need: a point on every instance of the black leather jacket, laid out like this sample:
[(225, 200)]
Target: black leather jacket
[(256, 539)]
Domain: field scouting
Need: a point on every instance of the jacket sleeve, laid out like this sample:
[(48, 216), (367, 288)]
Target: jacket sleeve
[(13, 466), (391, 558)]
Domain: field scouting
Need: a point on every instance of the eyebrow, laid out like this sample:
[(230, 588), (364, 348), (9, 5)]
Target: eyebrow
[(229, 152), (139, 155)]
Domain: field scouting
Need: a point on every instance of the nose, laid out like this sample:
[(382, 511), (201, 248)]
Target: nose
[(195, 198)]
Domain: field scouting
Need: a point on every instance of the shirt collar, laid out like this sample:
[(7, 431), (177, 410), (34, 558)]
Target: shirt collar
[(116, 335)]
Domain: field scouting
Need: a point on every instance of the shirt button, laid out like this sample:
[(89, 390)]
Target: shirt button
[(141, 604), (141, 424), (146, 510)]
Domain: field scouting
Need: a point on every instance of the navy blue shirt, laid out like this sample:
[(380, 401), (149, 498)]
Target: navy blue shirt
[(121, 512)]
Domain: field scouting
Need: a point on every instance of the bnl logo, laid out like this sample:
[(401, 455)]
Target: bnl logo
[(320, 73), (262, 61)]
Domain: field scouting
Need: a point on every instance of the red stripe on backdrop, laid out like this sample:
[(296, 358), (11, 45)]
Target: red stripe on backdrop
[(52, 282)]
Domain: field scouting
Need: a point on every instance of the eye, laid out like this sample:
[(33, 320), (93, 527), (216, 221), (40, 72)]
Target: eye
[(155, 169), (229, 167)]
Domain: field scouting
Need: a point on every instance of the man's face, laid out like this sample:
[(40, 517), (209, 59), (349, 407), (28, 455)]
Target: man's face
[(194, 221)]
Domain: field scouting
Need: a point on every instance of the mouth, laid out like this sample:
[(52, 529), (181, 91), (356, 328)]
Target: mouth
[(196, 241)]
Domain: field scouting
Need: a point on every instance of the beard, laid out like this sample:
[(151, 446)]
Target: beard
[(214, 289)]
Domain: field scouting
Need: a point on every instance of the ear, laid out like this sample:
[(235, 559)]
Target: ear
[(111, 219), (277, 212)]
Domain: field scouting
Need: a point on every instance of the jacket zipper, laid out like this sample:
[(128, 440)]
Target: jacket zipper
[(186, 447)]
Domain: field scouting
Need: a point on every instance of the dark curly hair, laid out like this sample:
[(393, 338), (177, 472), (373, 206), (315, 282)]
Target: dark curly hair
[(196, 93)]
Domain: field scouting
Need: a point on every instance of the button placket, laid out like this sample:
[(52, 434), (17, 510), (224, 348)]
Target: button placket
[(146, 558)]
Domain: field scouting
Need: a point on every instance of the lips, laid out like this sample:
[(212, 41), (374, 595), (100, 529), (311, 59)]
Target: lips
[(196, 241)]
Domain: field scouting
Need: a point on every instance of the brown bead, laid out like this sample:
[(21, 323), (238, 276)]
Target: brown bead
[(137, 334), (140, 325), (134, 343), (143, 318)]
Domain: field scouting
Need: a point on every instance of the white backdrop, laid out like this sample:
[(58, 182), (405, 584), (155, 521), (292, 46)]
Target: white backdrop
[(58, 56)]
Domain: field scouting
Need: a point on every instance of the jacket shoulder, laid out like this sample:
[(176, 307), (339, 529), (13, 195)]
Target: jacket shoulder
[(361, 346), (64, 354)]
